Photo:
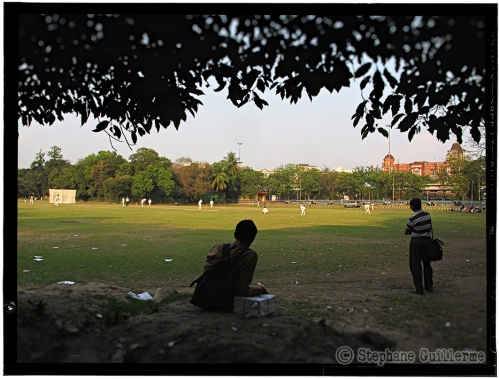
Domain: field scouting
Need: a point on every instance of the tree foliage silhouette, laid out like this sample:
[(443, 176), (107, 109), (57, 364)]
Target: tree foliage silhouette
[(137, 72)]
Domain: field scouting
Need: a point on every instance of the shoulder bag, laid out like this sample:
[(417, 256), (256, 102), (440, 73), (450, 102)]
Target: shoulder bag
[(436, 251)]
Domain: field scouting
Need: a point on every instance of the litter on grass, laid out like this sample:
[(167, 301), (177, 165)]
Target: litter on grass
[(168, 260), (141, 296), (66, 282), (94, 248)]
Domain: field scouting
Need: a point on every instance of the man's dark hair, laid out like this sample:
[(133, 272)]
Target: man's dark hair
[(245, 231), (416, 203)]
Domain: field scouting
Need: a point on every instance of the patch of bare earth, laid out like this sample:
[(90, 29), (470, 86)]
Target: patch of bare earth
[(61, 323)]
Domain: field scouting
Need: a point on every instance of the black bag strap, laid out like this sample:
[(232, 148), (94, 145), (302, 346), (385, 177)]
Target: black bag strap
[(440, 242), (225, 255), (226, 251)]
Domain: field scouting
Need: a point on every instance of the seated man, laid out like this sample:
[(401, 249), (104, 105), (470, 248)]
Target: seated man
[(244, 235), (265, 210)]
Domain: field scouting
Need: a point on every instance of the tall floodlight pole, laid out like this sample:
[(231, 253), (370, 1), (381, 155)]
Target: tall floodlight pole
[(239, 143), (390, 160), (478, 177), (472, 185)]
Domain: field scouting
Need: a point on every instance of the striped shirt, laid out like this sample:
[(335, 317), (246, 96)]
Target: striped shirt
[(419, 224)]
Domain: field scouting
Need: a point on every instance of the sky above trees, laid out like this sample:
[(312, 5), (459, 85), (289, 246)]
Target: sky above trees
[(318, 133)]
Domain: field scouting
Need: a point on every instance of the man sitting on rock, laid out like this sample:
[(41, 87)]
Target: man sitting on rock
[(245, 258)]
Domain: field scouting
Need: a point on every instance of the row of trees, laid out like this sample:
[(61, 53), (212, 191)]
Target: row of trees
[(109, 176)]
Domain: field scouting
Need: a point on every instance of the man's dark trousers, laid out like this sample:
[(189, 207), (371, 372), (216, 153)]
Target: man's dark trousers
[(419, 252)]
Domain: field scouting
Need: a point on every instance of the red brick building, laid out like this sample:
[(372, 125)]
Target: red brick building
[(433, 191), (422, 167)]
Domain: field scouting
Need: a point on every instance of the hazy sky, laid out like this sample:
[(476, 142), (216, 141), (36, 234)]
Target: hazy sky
[(319, 133)]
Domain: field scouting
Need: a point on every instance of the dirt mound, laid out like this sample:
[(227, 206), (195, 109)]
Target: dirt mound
[(88, 324)]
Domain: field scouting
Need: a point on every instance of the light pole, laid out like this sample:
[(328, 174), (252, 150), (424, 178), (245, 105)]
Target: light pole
[(472, 185), (239, 143), (300, 188), (390, 160)]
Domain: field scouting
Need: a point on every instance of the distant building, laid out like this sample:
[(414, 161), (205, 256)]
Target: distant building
[(422, 167), (436, 190), (340, 169), (307, 167), (266, 172), (187, 164)]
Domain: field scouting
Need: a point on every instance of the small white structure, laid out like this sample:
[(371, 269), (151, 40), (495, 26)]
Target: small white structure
[(63, 196)]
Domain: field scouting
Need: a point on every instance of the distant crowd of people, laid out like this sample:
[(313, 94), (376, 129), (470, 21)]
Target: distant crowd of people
[(470, 209)]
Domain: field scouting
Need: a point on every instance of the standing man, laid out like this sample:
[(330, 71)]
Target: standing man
[(123, 201), (127, 200), (200, 204), (302, 207), (419, 227), (211, 203), (142, 202), (366, 207), (149, 201)]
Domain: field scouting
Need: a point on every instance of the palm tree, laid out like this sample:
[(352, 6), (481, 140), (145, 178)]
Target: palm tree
[(233, 171), (232, 164), (218, 176)]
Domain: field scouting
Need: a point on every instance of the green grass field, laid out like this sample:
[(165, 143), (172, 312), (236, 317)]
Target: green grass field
[(127, 246)]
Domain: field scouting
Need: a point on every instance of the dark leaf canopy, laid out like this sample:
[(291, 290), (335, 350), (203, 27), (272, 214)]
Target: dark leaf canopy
[(135, 71)]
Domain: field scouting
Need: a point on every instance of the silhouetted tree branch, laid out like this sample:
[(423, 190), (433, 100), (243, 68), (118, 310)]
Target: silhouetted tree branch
[(136, 72)]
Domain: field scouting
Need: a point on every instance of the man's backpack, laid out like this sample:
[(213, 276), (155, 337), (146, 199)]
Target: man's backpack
[(215, 288)]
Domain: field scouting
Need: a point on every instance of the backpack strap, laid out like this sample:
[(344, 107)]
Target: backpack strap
[(226, 251), (225, 255)]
